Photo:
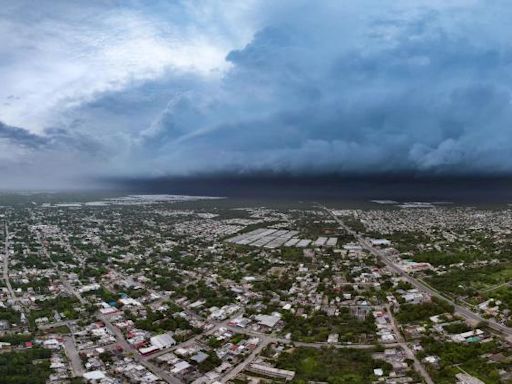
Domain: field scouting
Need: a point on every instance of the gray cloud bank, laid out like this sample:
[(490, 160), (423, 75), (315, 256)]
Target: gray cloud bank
[(327, 90), (321, 87)]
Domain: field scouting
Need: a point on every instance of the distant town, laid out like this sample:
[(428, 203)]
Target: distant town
[(187, 289)]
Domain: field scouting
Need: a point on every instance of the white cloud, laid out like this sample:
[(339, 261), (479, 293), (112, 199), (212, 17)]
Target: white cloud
[(50, 65)]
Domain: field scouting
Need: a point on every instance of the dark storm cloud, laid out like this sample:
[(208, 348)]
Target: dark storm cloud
[(20, 136), (290, 87), (326, 89)]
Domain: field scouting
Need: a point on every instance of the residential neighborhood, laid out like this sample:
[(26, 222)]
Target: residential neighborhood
[(181, 289)]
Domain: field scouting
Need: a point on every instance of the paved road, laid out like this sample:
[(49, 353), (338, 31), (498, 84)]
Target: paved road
[(6, 262), (508, 283), (181, 345), (190, 341), (265, 339), (12, 294), (71, 290), (408, 351), (53, 325), (465, 312), (162, 374), (282, 340), (73, 356), (248, 360)]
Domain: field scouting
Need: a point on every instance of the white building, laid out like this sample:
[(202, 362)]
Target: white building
[(464, 378)]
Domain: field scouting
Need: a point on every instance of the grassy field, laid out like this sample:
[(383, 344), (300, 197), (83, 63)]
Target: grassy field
[(331, 365), (472, 281), (456, 357)]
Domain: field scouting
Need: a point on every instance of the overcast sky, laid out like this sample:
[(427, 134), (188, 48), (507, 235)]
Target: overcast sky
[(100, 88)]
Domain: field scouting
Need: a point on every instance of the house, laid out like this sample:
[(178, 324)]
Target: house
[(163, 341), (464, 378), (266, 370), (268, 321), (94, 376), (199, 357), (468, 336), (333, 338), (180, 367)]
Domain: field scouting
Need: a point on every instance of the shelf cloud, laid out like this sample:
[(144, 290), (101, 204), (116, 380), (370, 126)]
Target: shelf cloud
[(157, 89)]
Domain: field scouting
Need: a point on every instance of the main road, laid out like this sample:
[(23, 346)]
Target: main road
[(420, 285), (64, 280), (6, 262), (407, 350), (162, 374), (320, 344), (5, 274), (248, 360), (73, 356)]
